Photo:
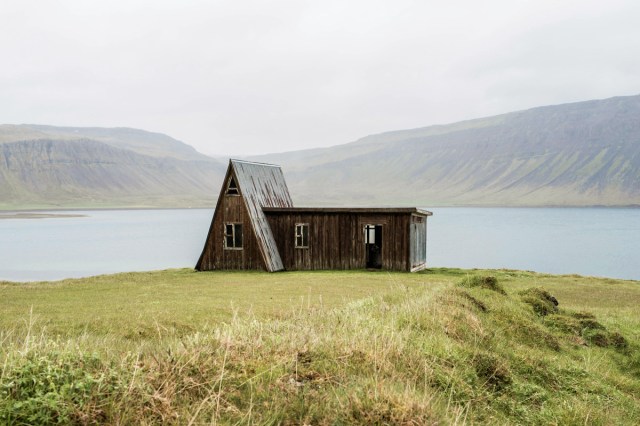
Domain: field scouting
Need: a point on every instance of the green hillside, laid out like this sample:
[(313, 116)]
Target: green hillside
[(439, 347), (586, 153), (50, 167), (139, 141)]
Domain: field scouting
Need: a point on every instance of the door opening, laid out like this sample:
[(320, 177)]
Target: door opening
[(373, 246)]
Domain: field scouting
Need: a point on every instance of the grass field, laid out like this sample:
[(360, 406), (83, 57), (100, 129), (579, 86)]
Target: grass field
[(444, 346), (146, 306)]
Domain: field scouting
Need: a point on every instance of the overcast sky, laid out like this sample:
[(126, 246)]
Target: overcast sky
[(247, 77)]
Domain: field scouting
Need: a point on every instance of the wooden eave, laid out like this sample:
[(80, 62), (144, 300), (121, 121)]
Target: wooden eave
[(357, 210)]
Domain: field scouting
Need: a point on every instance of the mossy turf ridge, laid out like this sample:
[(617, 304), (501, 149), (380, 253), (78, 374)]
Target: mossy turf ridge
[(419, 349)]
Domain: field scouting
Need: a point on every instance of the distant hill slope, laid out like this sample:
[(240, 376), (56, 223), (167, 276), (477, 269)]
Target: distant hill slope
[(111, 170), (140, 141), (585, 153)]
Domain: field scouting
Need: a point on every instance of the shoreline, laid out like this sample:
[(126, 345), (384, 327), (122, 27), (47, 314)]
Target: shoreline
[(78, 209), (27, 215), (430, 270)]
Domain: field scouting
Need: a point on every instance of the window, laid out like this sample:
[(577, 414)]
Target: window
[(370, 234), (302, 235), (233, 236), (232, 188)]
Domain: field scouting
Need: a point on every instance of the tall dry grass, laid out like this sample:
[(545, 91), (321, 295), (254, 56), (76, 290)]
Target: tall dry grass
[(462, 354)]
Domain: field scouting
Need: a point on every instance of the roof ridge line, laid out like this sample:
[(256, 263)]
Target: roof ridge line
[(235, 160)]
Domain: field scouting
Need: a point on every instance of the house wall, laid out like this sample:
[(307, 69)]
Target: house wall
[(418, 242), (231, 209), (336, 240)]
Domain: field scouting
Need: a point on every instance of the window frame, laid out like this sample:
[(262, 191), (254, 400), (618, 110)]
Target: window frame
[(300, 234), (237, 236)]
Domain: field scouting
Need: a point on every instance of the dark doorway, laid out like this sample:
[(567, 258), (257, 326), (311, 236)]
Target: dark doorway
[(373, 246)]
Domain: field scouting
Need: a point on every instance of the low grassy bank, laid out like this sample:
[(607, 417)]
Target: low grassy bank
[(444, 346)]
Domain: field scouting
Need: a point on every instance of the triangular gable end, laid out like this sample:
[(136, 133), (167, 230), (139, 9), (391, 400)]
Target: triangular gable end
[(228, 176)]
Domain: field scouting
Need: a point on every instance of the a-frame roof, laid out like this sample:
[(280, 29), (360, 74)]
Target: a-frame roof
[(262, 185)]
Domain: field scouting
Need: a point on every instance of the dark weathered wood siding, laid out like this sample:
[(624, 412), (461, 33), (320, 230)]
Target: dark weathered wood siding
[(231, 209), (336, 239)]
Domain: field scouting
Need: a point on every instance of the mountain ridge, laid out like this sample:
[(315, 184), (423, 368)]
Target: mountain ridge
[(50, 173), (140, 141), (579, 154)]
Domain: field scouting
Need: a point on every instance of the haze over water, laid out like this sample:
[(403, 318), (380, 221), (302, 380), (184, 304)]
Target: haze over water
[(586, 241)]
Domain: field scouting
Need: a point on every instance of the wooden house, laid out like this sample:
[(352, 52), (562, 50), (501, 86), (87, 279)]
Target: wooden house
[(256, 226)]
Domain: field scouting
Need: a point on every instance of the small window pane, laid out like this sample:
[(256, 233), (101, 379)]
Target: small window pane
[(232, 188), (233, 235), (369, 234), (302, 235)]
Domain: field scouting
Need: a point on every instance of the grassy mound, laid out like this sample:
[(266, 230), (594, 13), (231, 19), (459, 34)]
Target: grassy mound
[(542, 302), (482, 281), (413, 355)]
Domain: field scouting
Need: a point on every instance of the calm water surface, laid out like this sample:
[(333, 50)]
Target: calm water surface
[(592, 241), (586, 241), (105, 241)]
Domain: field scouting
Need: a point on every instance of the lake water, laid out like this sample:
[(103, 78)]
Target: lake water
[(589, 241)]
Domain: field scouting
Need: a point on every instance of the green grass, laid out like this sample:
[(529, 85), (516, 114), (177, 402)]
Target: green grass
[(145, 306), (443, 346)]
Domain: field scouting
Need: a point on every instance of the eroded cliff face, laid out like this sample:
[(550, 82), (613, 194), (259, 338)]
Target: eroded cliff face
[(88, 172)]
